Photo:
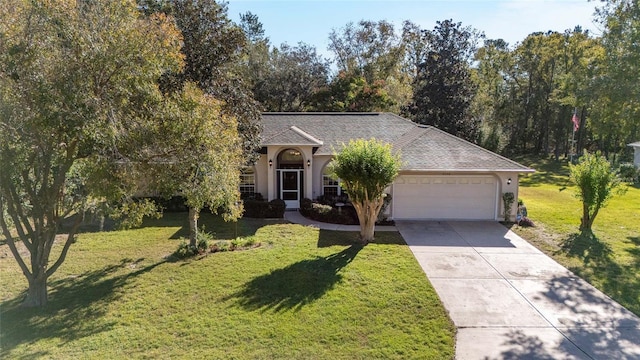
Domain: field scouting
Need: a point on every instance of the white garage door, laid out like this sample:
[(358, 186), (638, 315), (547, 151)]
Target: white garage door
[(445, 197)]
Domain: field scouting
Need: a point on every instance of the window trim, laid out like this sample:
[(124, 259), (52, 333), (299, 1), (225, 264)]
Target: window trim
[(246, 174), (337, 186)]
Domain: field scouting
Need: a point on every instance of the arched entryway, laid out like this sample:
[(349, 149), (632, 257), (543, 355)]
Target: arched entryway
[(290, 177)]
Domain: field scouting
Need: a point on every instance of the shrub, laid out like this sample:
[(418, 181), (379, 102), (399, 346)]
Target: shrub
[(220, 246), (325, 213), (321, 209), (508, 198), (629, 173), (203, 240), (252, 196), (184, 250), (305, 206), (262, 209), (277, 208)]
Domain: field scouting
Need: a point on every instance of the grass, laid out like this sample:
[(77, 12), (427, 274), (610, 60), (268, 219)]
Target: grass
[(305, 293), (609, 257)]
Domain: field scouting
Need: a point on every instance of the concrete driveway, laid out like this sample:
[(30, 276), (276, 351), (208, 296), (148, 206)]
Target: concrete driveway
[(509, 300)]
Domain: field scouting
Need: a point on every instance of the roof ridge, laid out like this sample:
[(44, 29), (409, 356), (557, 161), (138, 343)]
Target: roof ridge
[(306, 135), (481, 148), (276, 134)]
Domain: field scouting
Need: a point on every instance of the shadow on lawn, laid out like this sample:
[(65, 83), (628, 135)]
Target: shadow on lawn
[(214, 224), (211, 223), (586, 246), (296, 285), (75, 308), (620, 281), (327, 238)]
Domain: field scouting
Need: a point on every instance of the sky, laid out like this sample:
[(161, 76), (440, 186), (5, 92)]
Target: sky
[(311, 21)]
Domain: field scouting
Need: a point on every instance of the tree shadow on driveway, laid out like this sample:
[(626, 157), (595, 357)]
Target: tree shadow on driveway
[(296, 285)]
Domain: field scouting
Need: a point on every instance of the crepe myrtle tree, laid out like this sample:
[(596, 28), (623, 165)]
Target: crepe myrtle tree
[(78, 85), (366, 168), (596, 184)]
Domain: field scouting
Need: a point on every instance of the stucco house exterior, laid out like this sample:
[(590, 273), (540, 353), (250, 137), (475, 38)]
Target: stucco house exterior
[(443, 177), (636, 153)]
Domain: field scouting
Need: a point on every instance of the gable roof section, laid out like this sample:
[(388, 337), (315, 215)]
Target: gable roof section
[(435, 149), (292, 136), (423, 148)]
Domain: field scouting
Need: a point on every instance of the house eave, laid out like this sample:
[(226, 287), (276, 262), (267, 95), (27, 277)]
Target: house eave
[(470, 170)]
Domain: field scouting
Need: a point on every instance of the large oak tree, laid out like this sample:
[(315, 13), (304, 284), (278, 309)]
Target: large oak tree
[(77, 81)]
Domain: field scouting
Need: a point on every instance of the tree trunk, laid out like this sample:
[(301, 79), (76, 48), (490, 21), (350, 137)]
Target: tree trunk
[(586, 221), (37, 293), (194, 214), (367, 231)]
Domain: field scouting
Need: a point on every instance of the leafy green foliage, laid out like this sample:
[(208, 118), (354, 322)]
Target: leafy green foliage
[(350, 92), (366, 168), (212, 47), (596, 183), (508, 199), (616, 86), (370, 77), (369, 49), (629, 173), (291, 78), (78, 83), (443, 89)]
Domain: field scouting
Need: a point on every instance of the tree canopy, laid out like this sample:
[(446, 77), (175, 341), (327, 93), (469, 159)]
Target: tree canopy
[(78, 83), (443, 88), (366, 168)]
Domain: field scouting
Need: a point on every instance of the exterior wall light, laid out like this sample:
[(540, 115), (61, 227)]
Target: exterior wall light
[(308, 163), (270, 162), (509, 181)]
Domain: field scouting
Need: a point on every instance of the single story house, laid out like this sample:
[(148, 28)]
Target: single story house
[(443, 176), (636, 153)]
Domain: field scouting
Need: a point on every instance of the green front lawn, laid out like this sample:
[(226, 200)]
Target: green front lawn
[(305, 293), (611, 259)]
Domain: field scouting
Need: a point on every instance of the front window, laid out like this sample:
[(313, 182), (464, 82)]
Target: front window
[(330, 184), (248, 181)]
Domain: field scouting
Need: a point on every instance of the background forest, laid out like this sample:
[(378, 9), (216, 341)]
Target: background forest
[(511, 98)]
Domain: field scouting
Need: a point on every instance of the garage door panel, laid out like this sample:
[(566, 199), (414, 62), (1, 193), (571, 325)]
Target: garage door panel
[(445, 197)]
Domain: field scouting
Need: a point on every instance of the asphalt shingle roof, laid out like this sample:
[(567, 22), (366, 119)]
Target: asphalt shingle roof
[(422, 147)]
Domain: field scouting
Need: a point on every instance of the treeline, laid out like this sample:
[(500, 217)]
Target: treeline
[(511, 98), (514, 99)]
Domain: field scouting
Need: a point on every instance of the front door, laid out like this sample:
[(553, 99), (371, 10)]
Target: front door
[(290, 187)]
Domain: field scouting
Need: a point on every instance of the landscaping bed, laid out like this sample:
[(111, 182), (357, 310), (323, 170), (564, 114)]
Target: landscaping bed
[(335, 210)]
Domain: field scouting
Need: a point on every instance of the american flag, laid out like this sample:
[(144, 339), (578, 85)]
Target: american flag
[(576, 121)]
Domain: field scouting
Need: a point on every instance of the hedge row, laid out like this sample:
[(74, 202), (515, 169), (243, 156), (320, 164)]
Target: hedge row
[(263, 209)]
